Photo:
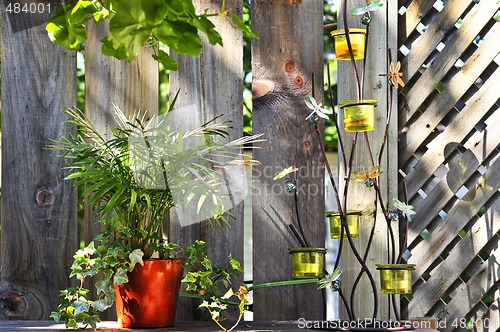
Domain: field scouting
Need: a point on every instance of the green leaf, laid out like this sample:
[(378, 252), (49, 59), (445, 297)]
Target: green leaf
[(246, 29), (205, 25), (101, 305), (129, 27), (235, 264), (72, 324), (180, 36), (67, 28), (136, 257), (109, 49), (82, 305), (104, 287), (166, 60), (120, 277), (91, 320)]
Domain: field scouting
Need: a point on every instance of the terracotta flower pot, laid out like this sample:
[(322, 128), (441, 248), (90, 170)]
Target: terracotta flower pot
[(357, 38), (307, 262), (359, 115), (149, 299), (396, 278), (352, 223)]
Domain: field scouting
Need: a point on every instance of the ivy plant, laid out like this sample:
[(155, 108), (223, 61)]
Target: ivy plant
[(134, 24)]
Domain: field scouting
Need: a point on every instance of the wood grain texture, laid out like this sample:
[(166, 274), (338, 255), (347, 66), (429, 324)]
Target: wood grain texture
[(427, 251), (456, 44), (439, 105), (434, 33), (463, 124), (287, 59), (132, 86), (209, 86), (381, 41), (38, 206), (456, 262), (484, 278)]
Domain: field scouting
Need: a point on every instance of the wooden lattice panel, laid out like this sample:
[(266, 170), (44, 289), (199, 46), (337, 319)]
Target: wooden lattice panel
[(448, 157)]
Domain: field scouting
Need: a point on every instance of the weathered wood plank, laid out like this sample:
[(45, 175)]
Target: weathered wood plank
[(443, 102), (286, 63), (480, 147), (490, 317), (414, 13), (445, 60), (469, 294), (460, 256), (209, 86), (435, 32), (462, 125), (38, 206), (360, 197), (460, 214), (133, 87)]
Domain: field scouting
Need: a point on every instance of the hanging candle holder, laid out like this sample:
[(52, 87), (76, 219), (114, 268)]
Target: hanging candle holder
[(307, 262), (356, 36), (396, 278), (359, 115), (353, 217)]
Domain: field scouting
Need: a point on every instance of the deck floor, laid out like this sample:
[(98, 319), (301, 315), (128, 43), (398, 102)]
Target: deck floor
[(110, 326)]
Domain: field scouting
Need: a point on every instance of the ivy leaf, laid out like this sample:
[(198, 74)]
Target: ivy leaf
[(92, 321), (136, 257), (120, 277), (72, 324), (166, 60), (102, 305), (82, 305), (103, 286)]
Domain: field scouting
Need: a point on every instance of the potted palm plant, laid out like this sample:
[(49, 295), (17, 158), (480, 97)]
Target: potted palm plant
[(132, 180)]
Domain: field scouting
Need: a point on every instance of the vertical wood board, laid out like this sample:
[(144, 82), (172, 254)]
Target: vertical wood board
[(210, 86), (286, 63), (38, 206)]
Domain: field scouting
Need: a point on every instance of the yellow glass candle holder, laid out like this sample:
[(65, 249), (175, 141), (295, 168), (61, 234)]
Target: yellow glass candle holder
[(395, 278), (352, 223), (307, 262), (359, 115), (357, 38)]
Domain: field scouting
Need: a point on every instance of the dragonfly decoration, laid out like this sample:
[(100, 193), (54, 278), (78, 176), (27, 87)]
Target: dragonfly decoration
[(366, 17)]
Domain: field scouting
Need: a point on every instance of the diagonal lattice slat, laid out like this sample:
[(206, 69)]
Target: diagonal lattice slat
[(449, 144)]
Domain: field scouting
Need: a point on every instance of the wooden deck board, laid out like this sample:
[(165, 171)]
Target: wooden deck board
[(110, 326)]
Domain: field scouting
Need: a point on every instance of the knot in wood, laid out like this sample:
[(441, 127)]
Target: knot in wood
[(44, 197), (13, 305), (290, 66), (299, 81)]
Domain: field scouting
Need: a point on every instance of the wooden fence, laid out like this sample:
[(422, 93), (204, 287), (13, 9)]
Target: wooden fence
[(448, 152), (448, 158)]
